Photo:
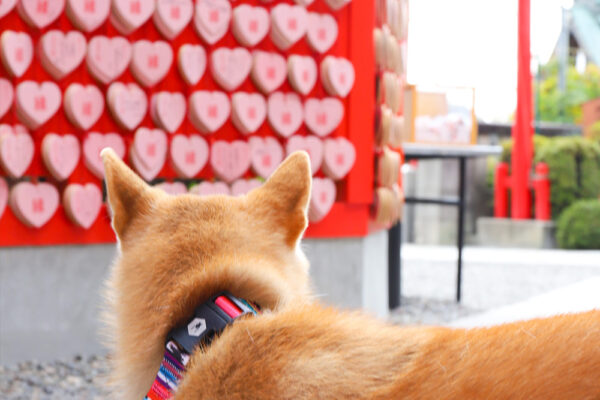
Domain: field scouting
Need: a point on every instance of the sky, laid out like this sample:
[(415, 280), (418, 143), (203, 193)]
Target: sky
[(473, 43)]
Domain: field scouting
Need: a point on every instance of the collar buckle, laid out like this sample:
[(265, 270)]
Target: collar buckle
[(210, 318)]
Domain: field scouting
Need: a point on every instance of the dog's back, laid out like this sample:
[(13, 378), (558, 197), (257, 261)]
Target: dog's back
[(176, 252)]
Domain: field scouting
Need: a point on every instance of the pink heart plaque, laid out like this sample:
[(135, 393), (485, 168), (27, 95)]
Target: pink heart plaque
[(16, 52), (191, 61), (172, 16), (289, 24), (312, 145), (82, 203), (149, 152), (83, 105), (37, 103), (61, 53), (230, 67), (108, 58), (249, 111), (337, 75), (302, 73), (40, 13), (60, 154), (323, 116), (339, 157), (211, 19), (127, 103), (266, 155), (88, 15), (230, 161), (322, 32), (93, 145), (209, 110), (268, 71), (250, 24), (34, 204), (188, 155), (285, 113), (168, 110), (151, 61), (129, 15), (322, 198)]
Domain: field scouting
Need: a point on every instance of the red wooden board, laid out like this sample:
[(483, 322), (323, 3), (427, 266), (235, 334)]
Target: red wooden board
[(349, 216)]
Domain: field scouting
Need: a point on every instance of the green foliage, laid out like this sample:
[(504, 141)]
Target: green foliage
[(539, 142), (574, 165), (579, 226), (595, 131), (560, 157), (555, 105)]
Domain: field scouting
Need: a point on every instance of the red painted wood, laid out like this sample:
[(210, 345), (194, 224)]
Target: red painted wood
[(501, 189), (344, 220), (355, 42), (541, 186), (522, 132), (361, 108)]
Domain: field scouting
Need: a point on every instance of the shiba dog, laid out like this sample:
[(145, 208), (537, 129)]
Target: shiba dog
[(176, 252)]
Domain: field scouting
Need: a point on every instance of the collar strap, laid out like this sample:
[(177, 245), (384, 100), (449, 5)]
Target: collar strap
[(210, 318)]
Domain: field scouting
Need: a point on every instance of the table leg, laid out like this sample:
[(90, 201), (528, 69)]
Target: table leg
[(394, 265), (461, 223)]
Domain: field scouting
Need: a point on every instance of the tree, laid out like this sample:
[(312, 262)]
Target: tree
[(555, 105)]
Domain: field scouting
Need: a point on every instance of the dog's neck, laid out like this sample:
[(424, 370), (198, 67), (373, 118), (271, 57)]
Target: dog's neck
[(265, 286), (209, 320), (183, 290)]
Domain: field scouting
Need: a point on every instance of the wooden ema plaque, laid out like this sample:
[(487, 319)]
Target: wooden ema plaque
[(354, 191)]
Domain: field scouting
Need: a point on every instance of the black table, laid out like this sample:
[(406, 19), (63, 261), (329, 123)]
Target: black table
[(413, 151)]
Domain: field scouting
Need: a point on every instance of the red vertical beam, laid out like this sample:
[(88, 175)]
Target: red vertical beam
[(541, 185), (361, 104), (501, 187), (522, 132)]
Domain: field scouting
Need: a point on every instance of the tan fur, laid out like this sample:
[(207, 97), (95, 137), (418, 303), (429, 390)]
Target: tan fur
[(178, 251)]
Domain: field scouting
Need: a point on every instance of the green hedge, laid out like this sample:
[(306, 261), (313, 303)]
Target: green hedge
[(539, 142), (574, 165), (578, 226)]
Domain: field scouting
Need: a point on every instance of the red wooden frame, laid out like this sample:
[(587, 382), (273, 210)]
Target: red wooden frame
[(348, 217)]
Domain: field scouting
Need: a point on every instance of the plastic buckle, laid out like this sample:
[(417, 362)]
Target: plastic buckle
[(209, 319)]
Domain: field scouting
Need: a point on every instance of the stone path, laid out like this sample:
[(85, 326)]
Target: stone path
[(492, 277)]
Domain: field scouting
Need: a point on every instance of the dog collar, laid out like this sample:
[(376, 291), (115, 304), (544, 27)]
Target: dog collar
[(210, 318)]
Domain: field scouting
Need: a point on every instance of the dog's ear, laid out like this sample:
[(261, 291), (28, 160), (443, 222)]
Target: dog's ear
[(283, 199), (128, 195)]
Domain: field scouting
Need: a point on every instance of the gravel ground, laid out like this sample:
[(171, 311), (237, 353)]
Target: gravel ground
[(82, 378), (71, 379), (492, 278), (421, 311)]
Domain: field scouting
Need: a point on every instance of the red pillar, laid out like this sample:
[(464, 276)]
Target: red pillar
[(522, 132), (541, 185), (501, 188)]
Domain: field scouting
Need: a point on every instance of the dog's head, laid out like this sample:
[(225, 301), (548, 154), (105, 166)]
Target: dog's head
[(176, 251)]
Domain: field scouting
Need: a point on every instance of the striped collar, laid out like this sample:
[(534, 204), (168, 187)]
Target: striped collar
[(210, 318)]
